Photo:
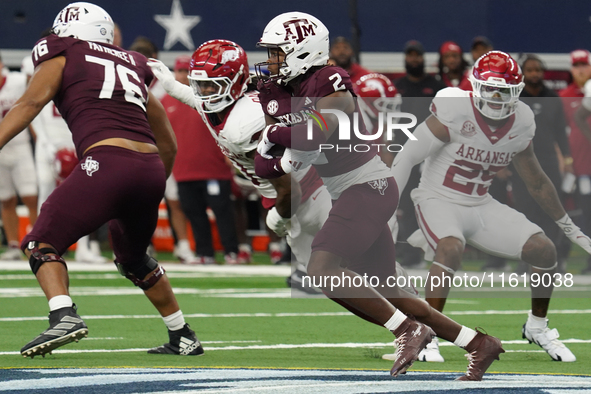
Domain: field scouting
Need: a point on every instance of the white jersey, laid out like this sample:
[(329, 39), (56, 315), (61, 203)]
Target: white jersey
[(51, 128), (463, 169), (238, 136), (13, 88)]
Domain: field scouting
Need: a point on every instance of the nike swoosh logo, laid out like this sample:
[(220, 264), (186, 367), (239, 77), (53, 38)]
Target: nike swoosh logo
[(512, 136), (316, 196)]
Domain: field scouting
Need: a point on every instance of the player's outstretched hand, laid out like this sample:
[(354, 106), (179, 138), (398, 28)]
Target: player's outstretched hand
[(163, 73), (574, 233), (277, 223), (265, 145)]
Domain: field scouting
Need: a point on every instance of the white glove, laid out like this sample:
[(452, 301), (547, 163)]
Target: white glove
[(265, 145), (574, 233), (179, 91), (277, 223)]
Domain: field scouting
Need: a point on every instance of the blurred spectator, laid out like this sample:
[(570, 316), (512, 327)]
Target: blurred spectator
[(341, 53), (420, 86), (452, 65), (203, 176), (550, 131), (17, 167), (580, 135), (147, 48), (178, 220), (480, 46)]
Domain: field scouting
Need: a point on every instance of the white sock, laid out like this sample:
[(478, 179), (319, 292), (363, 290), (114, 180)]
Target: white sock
[(464, 337), (174, 322), (536, 322), (395, 321), (60, 301), (183, 244)]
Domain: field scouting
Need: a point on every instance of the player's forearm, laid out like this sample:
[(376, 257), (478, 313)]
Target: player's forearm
[(288, 196), (182, 93), (546, 196), (163, 133)]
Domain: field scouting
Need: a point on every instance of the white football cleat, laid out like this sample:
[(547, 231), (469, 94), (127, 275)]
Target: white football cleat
[(12, 253), (183, 252), (429, 354), (547, 339)]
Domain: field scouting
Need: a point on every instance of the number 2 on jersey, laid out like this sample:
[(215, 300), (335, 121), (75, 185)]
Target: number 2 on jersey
[(131, 89), (337, 85)]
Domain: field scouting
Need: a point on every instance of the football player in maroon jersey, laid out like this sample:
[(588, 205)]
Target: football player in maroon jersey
[(363, 191), (126, 148)]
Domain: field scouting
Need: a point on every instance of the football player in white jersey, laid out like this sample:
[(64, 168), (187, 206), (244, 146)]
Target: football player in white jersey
[(467, 139), (219, 75), (17, 168)]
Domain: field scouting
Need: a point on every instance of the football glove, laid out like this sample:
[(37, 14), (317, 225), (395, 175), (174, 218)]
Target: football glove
[(574, 233), (179, 91), (265, 145), (277, 223)]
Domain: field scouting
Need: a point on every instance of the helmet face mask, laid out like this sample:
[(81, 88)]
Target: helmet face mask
[(497, 82), (304, 40), (218, 74), (84, 21)]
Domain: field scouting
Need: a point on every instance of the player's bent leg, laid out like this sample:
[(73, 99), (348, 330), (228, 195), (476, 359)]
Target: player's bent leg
[(540, 253), (154, 282), (182, 342), (65, 325), (411, 336), (448, 258)]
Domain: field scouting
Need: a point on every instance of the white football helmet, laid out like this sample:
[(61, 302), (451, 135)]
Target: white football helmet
[(84, 21), (302, 37)]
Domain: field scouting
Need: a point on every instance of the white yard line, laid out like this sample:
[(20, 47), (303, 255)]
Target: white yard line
[(230, 270), (285, 314), (348, 345)]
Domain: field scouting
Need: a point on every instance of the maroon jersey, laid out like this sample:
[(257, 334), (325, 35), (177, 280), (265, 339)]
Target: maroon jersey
[(277, 102), (103, 92)]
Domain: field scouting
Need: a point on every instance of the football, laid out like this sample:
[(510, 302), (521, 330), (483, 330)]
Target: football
[(277, 150)]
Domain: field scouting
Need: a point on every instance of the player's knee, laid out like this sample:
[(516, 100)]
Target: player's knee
[(450, 247), (39, 256), (144, 274), (321, 267), (9, 203), (539, 251)]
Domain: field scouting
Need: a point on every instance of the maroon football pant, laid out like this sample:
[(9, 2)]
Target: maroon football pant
[(110, 184), (357, 229)]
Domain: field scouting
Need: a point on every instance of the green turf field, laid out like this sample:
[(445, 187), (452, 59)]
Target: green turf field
[(249, 320)]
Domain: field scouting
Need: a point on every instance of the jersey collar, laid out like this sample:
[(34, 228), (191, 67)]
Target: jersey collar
[(493, 136)]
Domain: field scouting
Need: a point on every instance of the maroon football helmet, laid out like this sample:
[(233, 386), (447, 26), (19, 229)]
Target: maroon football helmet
[(64, 163), (497, 82), (218, 74), (377, 94)]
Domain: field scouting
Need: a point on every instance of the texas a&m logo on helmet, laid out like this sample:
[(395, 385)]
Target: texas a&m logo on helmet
[(298, 30)]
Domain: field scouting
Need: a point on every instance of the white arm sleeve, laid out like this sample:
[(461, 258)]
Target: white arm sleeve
[(413, 153), (179, 91)]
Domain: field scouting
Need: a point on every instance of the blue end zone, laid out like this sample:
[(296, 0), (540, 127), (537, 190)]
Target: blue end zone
[(222, 380)]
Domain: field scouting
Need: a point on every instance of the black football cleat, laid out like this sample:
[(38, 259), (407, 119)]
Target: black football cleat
[(182, 342), (65, 326)]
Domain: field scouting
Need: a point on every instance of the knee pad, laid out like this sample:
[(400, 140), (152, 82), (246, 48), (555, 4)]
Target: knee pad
[(137, 272), (39, 256)]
